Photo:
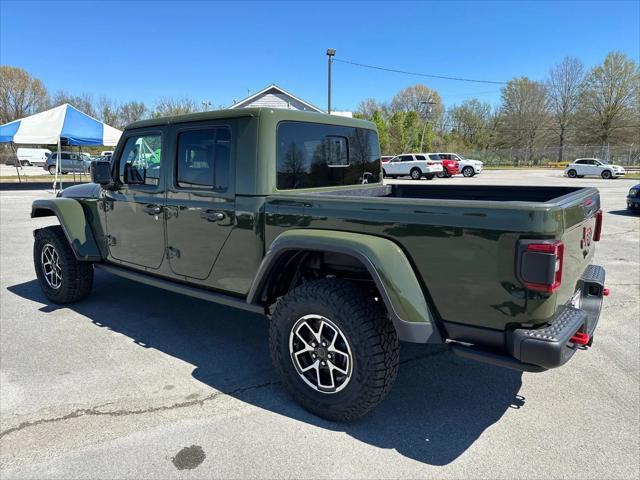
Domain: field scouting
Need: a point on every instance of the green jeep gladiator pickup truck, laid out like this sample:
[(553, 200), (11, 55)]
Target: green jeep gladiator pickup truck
[(284, 213)]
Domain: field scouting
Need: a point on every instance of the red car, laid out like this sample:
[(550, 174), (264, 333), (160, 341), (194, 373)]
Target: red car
[(449, 168)]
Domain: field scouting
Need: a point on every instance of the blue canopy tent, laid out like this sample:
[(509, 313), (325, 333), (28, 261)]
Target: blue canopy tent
[(63, 124)]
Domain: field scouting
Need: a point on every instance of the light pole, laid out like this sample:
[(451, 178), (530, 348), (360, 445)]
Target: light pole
[(330, 53)]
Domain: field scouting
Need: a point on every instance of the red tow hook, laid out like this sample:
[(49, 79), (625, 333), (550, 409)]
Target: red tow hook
[(606, 292), (580, 338)]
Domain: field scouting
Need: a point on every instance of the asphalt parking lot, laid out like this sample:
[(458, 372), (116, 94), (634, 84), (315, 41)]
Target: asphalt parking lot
[(136, 382)]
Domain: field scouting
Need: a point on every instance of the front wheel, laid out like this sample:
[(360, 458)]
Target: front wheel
[(62, 278), (468, 172), (334, 347), (607, 175), (572, 173)]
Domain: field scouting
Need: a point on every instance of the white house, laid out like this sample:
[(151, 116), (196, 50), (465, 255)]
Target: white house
[(275, 97)]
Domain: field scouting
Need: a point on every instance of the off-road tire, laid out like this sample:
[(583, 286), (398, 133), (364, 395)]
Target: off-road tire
[(370, 335), (415, 173), (468, 172), (606, 174), (572, 173), (77, 277)]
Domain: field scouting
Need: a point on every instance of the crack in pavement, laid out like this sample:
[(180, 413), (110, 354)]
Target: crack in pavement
[(81, 412)]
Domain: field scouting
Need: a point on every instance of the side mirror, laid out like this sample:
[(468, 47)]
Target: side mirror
[(101, 172), (133, 176)]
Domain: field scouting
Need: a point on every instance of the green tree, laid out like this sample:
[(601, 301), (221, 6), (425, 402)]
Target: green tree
[(383, 131)]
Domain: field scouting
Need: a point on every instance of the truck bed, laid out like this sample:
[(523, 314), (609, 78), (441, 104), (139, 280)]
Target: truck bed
[(462, 240), (494, 193)]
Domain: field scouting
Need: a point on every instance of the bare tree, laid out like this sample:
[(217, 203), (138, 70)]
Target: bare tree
[(524, 114), (368, 106), (413, 98), (132, 112), (471, 121), (83, 102), (608, 104), (108, 111), (21, 95), (168, 107), (564, 84)]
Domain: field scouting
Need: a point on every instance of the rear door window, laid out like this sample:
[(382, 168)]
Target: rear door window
[(203, 158), (420, 157), (311, 155), (406, 158)]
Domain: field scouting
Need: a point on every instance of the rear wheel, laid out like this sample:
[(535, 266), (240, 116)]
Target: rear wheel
[(62, 277), (416, 173), (429, 177), (468, 172), (606, 174), (52, 169), (572, 173), (334, 347), (443, 173)]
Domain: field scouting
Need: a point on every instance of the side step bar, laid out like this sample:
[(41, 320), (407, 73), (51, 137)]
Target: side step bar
[(180, 288)]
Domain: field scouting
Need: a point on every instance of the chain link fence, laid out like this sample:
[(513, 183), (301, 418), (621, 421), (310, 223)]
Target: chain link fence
[(547, 156)]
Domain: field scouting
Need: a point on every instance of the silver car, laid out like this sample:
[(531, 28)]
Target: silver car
[(69, 162)]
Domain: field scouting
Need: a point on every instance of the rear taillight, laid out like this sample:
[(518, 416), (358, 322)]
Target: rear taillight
[(598, 232), (541, 266), (430, 163)]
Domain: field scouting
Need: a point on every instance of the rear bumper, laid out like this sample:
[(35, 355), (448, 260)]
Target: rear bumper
[(551, 346)]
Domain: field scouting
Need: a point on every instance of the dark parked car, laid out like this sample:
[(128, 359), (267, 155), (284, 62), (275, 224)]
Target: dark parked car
[(633, 198), (69, 162)]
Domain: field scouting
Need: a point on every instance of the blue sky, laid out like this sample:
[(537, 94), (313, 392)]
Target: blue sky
[(218, 51)]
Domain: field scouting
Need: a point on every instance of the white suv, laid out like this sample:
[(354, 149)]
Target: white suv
[(466, 166), (415, 165), (593, 167)]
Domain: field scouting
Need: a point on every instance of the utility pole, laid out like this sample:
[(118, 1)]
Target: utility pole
[(330, 53), (427, 111)]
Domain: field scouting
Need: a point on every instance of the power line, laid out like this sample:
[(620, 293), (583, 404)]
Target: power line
[(442, 77)]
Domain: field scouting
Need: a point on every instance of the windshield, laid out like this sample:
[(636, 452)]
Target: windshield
[(605, 162), (461, 157)]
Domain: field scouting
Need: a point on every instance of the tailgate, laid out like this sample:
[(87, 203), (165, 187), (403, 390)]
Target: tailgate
[(582, 224)]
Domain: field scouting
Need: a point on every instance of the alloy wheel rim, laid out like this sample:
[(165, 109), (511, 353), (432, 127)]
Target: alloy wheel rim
[(321, 354), (51, 266)]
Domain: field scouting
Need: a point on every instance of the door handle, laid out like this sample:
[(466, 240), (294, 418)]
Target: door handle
[(153, 209), (212, 215)]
